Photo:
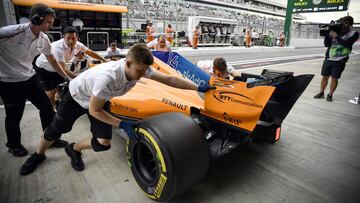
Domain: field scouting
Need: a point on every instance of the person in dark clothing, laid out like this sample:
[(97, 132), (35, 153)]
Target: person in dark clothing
[(19, 44), (339, 48)]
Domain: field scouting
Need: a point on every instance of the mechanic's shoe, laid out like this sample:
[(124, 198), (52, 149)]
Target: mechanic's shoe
[(31, 163), (319, 95), (329, 98), (76, 160), (17, 151), (59, 144)]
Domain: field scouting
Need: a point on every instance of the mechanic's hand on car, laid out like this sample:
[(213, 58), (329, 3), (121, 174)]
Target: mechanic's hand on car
[(129, 128), (205, 88)]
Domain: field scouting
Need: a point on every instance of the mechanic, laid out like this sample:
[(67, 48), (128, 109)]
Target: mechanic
[(339, 48), (19, 44), (79, 63), (150, 30), (114, 53), (89, 93), (196, 35), (169, 32), (64, 50), (160, 44), (218, 68)]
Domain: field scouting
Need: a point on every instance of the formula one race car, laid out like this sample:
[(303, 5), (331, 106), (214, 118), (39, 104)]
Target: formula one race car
[(180, 132)]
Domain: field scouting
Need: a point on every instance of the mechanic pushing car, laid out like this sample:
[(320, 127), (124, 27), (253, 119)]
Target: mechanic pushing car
[(90, 93), (19, 44), (218, 68)]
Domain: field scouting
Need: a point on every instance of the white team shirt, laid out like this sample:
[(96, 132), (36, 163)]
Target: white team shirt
[(207, 66), (18, 47), (104, 81), (110, 53), (62, 53), (155, 44)]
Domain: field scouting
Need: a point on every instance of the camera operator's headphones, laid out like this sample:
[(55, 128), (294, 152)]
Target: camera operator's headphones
[(38, 12)]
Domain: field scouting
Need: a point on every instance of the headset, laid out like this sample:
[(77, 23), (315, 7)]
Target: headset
[(38, 12)]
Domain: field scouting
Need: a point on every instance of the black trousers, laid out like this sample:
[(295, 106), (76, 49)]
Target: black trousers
[(14, 96)]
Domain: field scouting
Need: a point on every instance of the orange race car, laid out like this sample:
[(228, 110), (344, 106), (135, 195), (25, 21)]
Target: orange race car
[(181, 132)]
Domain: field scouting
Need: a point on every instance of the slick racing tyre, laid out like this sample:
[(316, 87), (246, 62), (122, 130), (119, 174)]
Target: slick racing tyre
[(170, 155)]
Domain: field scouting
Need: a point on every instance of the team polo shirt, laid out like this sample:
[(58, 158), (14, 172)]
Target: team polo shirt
[(207, 66), (155, 44), (104, 81), (18, 47), (62, 53), (229, 69), (110, 53)]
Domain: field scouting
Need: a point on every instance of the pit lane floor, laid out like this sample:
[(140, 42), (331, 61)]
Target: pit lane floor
[(316, 160)]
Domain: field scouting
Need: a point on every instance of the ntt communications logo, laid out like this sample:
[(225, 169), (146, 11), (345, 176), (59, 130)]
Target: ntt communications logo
[(225, 96)]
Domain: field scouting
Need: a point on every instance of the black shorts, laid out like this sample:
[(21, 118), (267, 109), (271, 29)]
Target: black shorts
[(49, 80), (333, 68), (68, 112)]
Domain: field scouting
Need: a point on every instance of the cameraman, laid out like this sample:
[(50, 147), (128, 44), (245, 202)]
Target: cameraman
[(339, 47)]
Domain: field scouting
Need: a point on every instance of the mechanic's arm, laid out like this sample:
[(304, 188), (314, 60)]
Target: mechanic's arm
[(346, 43), (57, 67), (94, 55), (68, 72), (96, 110), (173, 81)]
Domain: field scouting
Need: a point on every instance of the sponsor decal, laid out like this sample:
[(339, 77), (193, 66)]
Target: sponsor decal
[(193, 77), (300, 3), (224, 96), (173, 60), (231, 119), (160, 186), (125, 108), (175, 104)]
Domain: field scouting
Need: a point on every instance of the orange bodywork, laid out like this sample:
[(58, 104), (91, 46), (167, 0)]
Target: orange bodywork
[(231, 102)]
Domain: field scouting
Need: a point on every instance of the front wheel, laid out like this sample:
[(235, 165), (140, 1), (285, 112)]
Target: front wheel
[(170, 156)]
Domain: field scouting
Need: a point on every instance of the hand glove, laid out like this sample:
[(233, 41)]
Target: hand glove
[(205, 88), (129, 128)]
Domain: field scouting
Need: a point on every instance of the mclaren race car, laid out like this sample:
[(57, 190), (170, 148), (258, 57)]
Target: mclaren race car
[(181, 132)]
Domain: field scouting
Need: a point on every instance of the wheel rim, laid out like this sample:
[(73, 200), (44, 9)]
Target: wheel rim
[(146, 163)]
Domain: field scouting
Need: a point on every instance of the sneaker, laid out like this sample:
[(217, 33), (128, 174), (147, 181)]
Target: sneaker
[(59, 144), (18, 151), (329, 98), (319, 95), (31, 163), (76, 160)]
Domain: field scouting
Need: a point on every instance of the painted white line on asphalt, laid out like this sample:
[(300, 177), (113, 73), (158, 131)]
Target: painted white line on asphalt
[(254, 68), (277, 64), (273, 59)]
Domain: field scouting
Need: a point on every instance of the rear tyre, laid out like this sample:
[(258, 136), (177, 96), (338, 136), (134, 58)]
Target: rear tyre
[(170, 156)]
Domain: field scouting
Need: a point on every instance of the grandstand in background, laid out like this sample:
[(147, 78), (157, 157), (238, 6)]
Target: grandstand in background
[(263, 16)]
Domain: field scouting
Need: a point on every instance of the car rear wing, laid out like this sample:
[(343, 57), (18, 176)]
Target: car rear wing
[(233, 103)]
